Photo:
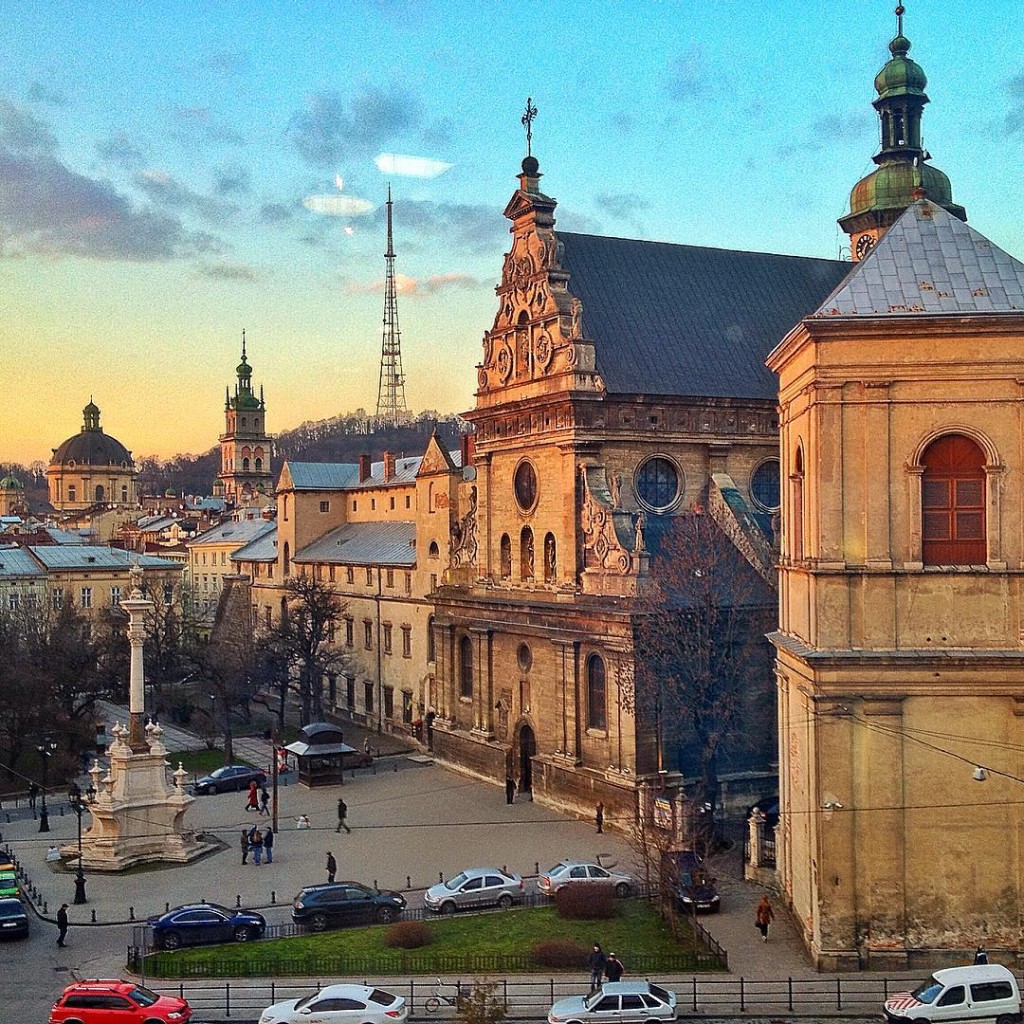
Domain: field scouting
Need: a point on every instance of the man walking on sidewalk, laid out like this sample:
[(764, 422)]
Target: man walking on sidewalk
[(62, 924), (268, 844), (332, 867), (342, 815)]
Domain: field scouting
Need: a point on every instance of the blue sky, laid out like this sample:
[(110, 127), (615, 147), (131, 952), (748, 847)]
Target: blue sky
[(173, 172)]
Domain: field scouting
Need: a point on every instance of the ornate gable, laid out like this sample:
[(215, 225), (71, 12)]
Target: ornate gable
[(537, 335), (435, 459)]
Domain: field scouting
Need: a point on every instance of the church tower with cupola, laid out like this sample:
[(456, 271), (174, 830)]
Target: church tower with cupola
[(903, 173), (245, 449)]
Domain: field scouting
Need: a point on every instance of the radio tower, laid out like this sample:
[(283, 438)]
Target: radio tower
[(391, 408)]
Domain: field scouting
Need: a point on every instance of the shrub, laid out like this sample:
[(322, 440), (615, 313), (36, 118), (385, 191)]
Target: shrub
[(408, 935), (559, 953), (585, 901)]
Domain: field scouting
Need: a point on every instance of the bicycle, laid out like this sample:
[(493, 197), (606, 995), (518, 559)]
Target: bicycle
[(437, 999)]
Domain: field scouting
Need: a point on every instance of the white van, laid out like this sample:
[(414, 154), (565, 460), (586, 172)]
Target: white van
[(979, 992)]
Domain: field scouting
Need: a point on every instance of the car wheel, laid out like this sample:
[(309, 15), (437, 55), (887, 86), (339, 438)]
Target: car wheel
[(622, 890), (505, 901), (448, 907), (242, 933), (1006, 1019), (171, 940), (318, 922), (385, 915)]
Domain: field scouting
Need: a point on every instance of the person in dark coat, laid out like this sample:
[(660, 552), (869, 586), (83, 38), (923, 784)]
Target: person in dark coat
[(62, 924), (265, 801), (510, 789), (613, 968), (33, 792), (596, 962), (332, 866), (256, 843), (342, 815), (599, 817), (268, 844), (245, 846)]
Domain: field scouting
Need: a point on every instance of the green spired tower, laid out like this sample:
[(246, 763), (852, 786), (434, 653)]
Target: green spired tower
[(903, 173)]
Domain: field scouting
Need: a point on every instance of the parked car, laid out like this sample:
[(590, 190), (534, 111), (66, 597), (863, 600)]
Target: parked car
[(340, 1004), (693, 888), (475, 887), (8, 883), (13, 919), (978, 992), (230, 778), (111, 1002), (198, 924), (340, 903), (619, 1001), (569, 872)]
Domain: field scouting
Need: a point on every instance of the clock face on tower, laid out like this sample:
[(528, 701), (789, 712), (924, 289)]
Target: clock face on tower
[(864, 245)]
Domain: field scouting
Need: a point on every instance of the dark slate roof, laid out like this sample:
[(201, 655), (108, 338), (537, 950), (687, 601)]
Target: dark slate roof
[(689, 320), (930, 262), (364, 544), (262, 549)]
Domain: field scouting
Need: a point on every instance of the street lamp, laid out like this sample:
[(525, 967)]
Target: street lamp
[(77, 801), (46, 749)]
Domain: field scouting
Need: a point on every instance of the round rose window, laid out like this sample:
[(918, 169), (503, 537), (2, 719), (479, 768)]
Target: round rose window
[(524, 484)]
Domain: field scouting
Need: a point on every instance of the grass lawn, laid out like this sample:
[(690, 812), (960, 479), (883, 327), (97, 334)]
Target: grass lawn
[(466, 943), (199, 762)]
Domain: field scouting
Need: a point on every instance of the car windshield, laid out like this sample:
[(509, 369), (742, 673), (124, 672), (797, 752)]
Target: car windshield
[(661, 993), (454, 883), (927, 991), (381, 997), (143, 996), (557, 869), (302, 1003), (219, 773), (593, 999), (11, 908)]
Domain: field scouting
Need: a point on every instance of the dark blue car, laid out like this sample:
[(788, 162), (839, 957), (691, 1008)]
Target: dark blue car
[(232, 778), (198, 924)]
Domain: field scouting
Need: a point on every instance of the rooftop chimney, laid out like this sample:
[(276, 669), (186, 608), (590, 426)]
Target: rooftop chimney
[(468, 444), (364, 468), (389, 466)]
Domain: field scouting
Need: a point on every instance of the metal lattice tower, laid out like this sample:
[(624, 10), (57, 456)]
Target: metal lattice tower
[(391, 406)]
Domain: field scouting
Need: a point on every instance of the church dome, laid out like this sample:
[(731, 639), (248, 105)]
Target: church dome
[(11, 483), (91, 447), (892, 186), (901, 76)]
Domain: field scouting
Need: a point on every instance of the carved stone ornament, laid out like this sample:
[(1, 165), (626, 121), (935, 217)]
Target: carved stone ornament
[(542, 351), (607, 533), (504, 363), (463, 542)]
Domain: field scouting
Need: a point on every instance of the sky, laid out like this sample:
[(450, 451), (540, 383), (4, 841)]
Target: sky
[(174, 172)]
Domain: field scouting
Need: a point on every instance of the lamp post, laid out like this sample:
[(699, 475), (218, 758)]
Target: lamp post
[(46, 749), (77, 801)]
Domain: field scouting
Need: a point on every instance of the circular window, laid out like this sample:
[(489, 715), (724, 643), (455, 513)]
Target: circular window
[(658, 484), (524, 484), (525, 657), (764, 486)]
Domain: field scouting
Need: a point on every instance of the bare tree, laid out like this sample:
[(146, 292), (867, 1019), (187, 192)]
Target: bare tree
[(703, 676)]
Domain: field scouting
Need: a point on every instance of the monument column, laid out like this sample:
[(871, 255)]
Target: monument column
[(136, 605)]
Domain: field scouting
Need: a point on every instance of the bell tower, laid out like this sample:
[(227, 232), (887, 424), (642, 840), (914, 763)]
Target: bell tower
[(903, 173), (245, 475)]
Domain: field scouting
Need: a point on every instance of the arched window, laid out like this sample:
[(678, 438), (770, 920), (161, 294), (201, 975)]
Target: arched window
[(99, 492), (124, 493), (245, 465), (71, 493), (431, 650), (287, 559), (525, 554), (466, 667), (550, 559), (796, 482), (953, 502), (505, 569), (433, 551), (597, 700), (259, 465)]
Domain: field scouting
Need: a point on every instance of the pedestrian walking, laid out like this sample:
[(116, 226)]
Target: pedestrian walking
[(596, 962), (367, 748), (62, 924), (510, 789), (253, 803), (981, 956), (33, 792), (599, 816), (342, 815), (268, 844), (764, 918), (265, 801), (245, 846), (332, 866), (613, 968), (256, 842)]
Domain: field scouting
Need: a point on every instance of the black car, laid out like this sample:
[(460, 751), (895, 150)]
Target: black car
[(230, 778), (340, 903), (13, 919), (198, 924), (693, 888)]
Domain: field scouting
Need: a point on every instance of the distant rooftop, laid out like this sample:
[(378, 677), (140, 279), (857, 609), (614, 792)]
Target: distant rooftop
[(364, 544)]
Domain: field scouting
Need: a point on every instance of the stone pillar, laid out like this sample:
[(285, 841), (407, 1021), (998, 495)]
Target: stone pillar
[(136, 605)]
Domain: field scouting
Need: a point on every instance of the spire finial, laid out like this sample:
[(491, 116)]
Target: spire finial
[(243, 344), (527, 120), (900, 11)]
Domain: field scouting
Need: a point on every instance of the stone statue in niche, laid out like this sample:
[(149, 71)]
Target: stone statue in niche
[(528, 557), (463, 540), (639, 525), (615, 486), (576, 331)]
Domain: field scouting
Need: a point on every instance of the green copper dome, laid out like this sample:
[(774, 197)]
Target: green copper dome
[(11, 483), (901, 76), (243, 369), (892, 187)]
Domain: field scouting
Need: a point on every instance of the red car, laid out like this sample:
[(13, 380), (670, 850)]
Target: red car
[(107, 1002)]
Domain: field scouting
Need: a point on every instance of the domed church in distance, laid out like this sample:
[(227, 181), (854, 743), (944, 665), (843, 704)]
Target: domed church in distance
[(91, 468)]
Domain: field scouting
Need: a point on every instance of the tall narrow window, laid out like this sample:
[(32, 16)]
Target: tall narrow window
[(431, 650), (550, 559), (953, 502), (797, 492), (287, 559), (505, 559), (466, 667), (597, 710)]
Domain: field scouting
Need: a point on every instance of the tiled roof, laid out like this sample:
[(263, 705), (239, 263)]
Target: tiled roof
[(344, 476), (242, 532), (88, 556), (364, 544), (262, 549), (17, 562), (64, 536), (689, 320), (930, 262)]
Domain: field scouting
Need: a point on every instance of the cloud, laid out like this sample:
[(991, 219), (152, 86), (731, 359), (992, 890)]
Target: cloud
[(40, 93), (198, 125), (327, 131), (476, 229), (120, 149), (416, 286), (573, 220), (277, 213), (687, 76), (232, 181), (833, 128), (337, 206), (24, 132), (165, 190), (624, 205), (410, 166), (228, 272), (1014, 122)]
